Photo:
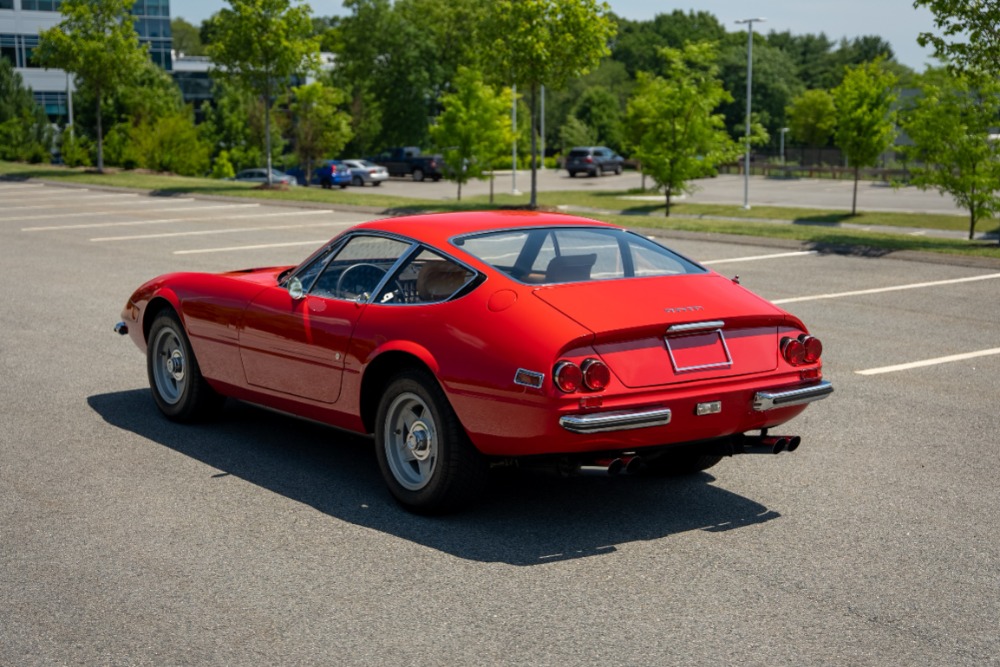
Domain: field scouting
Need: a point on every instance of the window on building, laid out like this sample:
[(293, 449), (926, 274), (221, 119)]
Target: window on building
[(8, 48), (6, 4)]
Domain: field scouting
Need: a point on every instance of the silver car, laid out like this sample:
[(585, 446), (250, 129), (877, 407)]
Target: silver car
[(363, 172), (260, 176)]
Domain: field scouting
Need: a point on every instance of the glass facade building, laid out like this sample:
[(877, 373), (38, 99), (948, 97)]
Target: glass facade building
[(21, 21)]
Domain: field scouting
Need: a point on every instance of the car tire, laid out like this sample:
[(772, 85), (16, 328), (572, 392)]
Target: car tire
[(676, 464), (418, 174), (618, 170), (425, 456), (376, 183), (572, 174), (358, 181), (179, 389)]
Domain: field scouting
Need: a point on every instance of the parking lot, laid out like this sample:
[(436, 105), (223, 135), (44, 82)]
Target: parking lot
[(258, 539)]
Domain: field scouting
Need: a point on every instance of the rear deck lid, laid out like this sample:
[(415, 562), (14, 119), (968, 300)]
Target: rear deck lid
[(654, 331)]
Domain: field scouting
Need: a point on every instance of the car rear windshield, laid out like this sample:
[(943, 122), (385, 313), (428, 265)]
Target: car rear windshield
[(579, 153), (575, 254)]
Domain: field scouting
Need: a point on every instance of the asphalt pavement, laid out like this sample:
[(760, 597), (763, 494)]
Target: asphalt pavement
[(257, 539)]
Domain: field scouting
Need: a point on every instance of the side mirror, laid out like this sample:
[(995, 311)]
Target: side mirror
[(295, 289)]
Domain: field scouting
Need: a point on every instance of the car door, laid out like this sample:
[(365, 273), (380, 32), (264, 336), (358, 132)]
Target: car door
[(297, 344)]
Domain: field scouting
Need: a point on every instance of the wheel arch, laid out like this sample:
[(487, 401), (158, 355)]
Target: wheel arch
[(378, 374), (163, 301)]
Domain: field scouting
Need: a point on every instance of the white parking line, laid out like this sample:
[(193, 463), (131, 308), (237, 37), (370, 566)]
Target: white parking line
[(90, 213), (232, 230), (880, 290), (929, 362), (128, 202), (94, 225), (250, 247), (62, 203), (754, 258)]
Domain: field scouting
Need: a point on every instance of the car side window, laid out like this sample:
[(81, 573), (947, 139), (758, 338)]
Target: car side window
[(426, 277), (359, 267)]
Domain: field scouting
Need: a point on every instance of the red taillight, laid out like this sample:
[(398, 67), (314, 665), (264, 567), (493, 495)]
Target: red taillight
[(589, 160), (567, 376), (596, 374), (793, 351), (814, 348), (802, 350)]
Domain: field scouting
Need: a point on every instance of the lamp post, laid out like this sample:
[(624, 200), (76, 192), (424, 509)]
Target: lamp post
[(783, 130), (746, 159)]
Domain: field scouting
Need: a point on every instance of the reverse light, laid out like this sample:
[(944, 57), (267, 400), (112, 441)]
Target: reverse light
[(596, 374), (567, 376)]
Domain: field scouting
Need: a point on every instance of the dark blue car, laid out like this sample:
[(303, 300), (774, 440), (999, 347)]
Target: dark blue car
[(331, 173)]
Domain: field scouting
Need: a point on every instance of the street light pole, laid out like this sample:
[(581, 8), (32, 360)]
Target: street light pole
[(746, 159), (783, 130)]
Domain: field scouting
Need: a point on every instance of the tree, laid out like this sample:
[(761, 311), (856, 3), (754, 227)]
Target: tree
[(186, 38), (25, 133), (261, 44), (951, 125), (865, 119), (675, 131), (638, 43), (473, 129), (968, 34), (812, 117), (537, 43), (95, 41), (317, 126), (599, 108)]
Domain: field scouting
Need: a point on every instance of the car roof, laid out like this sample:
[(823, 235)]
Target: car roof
[(438, 228)]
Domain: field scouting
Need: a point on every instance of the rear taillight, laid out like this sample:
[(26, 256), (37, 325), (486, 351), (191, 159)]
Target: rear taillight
[(591, 375), (802, 350), (567, 376), (814, 348), (596, 374)]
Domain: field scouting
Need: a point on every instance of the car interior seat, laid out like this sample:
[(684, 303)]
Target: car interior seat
[(570, 268)]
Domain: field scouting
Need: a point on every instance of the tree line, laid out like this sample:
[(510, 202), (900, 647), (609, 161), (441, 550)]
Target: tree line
[(669, 92)]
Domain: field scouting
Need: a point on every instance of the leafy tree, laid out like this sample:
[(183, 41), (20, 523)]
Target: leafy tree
[(675, 130), (774, 84), (537, 43), (599, 109), (25, 133), (186, 38), (317, 125), (473, 129), (865, 117), (638, 43), (815, 65), (950, 126), (171, 144), (95, 41), (260, 44), (610, 77), (235, 124), (574, 132), (812, 117), (968, 33)]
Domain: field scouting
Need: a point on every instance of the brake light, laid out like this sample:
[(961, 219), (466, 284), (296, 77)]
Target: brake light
[(814, 348), (567, 376), (596, 374), (589, 159), (805, 349), (793, 351)]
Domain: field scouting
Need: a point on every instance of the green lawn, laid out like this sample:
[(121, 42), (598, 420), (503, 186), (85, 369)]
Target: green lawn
[(605, 205)]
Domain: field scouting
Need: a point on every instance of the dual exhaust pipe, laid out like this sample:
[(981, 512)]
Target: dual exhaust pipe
[(741, 444), (623, 465), (768, 444)]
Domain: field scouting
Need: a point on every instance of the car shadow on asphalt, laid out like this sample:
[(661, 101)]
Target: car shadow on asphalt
[(524, 519)]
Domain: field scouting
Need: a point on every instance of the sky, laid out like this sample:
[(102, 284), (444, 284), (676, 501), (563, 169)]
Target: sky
[(895, 21)]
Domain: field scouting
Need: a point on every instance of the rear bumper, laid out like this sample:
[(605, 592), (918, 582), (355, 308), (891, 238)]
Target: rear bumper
[(770, 400), (603, 422)]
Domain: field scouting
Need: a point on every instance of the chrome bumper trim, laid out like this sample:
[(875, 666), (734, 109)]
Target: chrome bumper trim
[(121, 329), (769, 400), (615, 421)]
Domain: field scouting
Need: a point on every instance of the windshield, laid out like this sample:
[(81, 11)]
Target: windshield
[(575, 254)]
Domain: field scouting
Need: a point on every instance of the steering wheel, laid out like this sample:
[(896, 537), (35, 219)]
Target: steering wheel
[(358, 279)]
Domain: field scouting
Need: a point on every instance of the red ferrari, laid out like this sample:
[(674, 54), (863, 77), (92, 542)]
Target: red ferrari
[(464, 341)]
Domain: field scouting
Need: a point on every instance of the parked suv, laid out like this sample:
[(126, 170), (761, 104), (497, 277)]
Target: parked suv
[(593, 160)]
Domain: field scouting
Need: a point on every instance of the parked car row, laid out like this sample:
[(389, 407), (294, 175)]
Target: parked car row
[(409, 162)]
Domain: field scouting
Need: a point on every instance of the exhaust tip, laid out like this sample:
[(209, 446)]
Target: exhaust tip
[(793, 443), (121, 329)]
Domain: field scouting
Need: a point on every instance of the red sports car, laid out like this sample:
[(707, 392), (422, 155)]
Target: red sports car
[(468, 340)]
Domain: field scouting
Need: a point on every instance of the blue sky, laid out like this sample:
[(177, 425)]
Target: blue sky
[(895, 21)]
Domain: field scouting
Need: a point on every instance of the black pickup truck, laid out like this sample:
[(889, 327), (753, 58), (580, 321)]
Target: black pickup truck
[(408, 161)]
